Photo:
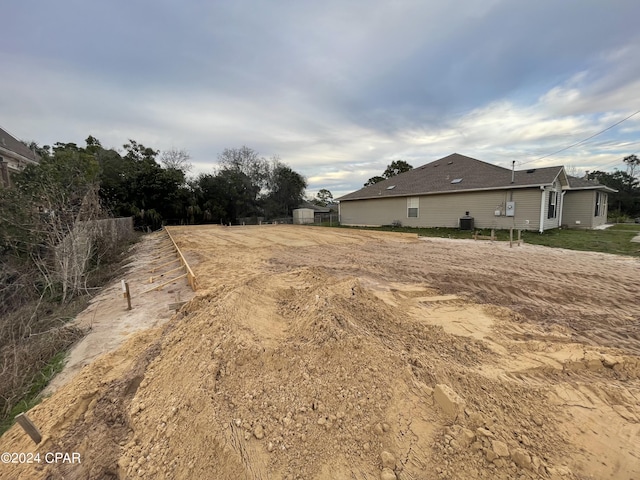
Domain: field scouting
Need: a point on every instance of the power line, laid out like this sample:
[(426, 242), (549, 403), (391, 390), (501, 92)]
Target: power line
[(614, 162), (618, 160), (584, 140)]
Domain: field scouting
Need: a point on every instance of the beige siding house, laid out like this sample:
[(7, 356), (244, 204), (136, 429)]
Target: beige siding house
[(14, 156), (586, 204), (442, 192)]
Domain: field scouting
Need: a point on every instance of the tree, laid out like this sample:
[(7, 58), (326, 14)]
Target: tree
[(227, 196), (374, 180), (395, 168), (627, 198), (139, 153), (323, 198), (176, 159), (55, 205), (247, 161), (286, 190), (632, 163), (136, 184)]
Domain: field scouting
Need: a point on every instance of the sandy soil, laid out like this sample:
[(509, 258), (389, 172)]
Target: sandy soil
[(314, 353), (107, 320)]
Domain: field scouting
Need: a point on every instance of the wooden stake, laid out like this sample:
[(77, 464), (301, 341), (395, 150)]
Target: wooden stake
[(128, 295), (29, 427)]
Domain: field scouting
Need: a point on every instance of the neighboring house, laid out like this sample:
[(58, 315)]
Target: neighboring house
[(14, 157), (440, 193), (585, 204), (314, 207)]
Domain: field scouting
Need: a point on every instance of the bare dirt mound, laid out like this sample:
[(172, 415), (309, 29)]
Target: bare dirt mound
[(330, 354)]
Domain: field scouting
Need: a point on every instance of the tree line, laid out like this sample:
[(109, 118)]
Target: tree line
[(626, 201), (154, 188)]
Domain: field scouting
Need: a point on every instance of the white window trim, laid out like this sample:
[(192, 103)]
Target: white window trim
[(413, 202)]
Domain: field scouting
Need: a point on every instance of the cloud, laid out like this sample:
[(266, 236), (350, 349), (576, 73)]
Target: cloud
[(337, 89)]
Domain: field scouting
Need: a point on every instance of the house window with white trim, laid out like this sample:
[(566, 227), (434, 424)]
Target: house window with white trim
[(552, 212), (412, 207)]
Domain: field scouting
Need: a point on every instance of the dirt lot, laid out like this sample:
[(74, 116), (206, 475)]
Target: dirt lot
[(313, 353)]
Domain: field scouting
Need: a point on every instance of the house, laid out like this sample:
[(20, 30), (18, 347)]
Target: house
[(14, 157), (585, 204), (316, 208), (442, 192)]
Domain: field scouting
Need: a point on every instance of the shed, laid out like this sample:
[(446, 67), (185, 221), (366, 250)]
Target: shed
[(303, 216)]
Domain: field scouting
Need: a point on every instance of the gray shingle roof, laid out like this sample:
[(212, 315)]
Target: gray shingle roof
[(441, 176), (11, 143), (576, 183)]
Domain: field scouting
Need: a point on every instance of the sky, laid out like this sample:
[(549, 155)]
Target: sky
[(336, 89)]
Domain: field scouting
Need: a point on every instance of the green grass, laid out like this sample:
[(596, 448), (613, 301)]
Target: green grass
[(632, 227), (612, 240), (615, 240), (38, 384)]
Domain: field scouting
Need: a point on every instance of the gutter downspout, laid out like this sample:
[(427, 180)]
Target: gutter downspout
[(541, 228), (339, 214), (561, 209)]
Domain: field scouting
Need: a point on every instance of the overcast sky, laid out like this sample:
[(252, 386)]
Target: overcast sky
[(336, 89)]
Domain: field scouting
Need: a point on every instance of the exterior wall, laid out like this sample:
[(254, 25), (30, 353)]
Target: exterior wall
[(445, 210), (580, 207)]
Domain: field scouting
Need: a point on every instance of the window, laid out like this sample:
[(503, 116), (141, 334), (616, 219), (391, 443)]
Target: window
[(412, 207), (552, 211)]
